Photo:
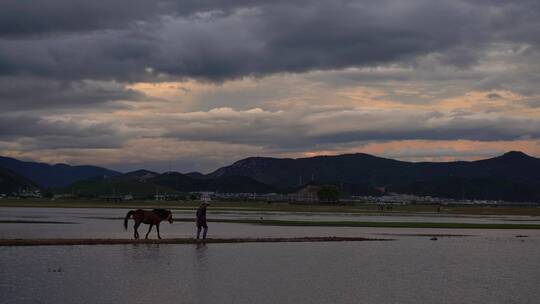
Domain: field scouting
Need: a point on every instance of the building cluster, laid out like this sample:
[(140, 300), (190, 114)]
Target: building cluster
[(306, 195), (23, 193), (395, 198), (267, 197), (116, 198), (311, 197)]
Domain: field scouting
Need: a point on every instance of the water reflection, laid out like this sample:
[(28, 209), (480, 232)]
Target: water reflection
[(201, 271), (200, 253), (411, 270), (145, 251)]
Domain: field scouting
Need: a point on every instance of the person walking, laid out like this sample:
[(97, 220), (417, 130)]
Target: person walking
[(201, 220)]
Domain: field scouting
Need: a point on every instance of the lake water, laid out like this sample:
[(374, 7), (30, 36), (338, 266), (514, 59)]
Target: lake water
[(105, 223), (488, 266), (451, 270)]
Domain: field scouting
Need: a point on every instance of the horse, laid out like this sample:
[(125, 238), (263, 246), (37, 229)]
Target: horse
[(151, 218)]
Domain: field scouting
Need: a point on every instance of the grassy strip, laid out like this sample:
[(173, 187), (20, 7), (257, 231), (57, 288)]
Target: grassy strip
[(189, 205), (374, 224), (403, 225), (71, 242)]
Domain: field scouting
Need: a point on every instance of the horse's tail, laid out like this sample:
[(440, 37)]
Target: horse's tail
[(127, 218)]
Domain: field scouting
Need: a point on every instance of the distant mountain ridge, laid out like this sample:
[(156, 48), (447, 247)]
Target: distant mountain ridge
[(361, 167), (511, 176), (50, 176), (288, 172), (146, 184), (11, 182)]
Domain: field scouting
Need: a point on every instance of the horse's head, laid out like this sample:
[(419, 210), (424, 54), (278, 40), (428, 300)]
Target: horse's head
[(169, 217)]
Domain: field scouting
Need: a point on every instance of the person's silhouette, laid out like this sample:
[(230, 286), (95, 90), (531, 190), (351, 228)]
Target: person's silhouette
[(201, 220)]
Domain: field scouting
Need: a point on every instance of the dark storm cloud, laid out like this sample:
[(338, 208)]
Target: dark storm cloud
[(70, 55), (341, 34), (434, 126), (30, 93), (38, 133), (312, 128), (476, 130), (120, 39), (23, 17)]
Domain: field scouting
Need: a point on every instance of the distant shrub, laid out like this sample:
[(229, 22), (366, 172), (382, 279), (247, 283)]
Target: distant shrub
[(328, 193)]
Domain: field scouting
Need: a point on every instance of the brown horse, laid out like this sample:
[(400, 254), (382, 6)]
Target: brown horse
[(151, 218)]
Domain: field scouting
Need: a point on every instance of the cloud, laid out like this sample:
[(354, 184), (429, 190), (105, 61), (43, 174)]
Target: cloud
[(33, 133), (319, 127), (17, 18), (217, 41), (79, 52), (30, 93), (233, 78)]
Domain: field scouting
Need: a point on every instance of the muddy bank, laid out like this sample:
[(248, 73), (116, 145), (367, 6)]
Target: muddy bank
[(71, 242)]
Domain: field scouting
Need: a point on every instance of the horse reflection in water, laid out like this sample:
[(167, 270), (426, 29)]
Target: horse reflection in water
[(151, 218)]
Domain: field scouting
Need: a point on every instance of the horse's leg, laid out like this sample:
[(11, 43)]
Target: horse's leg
[(157, 227), (135, 232), (149, 229)]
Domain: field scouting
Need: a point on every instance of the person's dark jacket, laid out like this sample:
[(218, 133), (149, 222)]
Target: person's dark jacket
[(201, 216)]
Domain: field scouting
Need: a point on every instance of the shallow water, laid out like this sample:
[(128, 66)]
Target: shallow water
[(106, 223), (104, 213), (413, 270), (486, 266)]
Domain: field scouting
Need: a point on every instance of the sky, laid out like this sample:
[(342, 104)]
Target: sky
[(197, 84)]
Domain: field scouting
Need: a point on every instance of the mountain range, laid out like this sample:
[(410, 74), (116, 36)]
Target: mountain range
[(145, 184), (365, 168), (513, 176), (52, 176), (11, 182)]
